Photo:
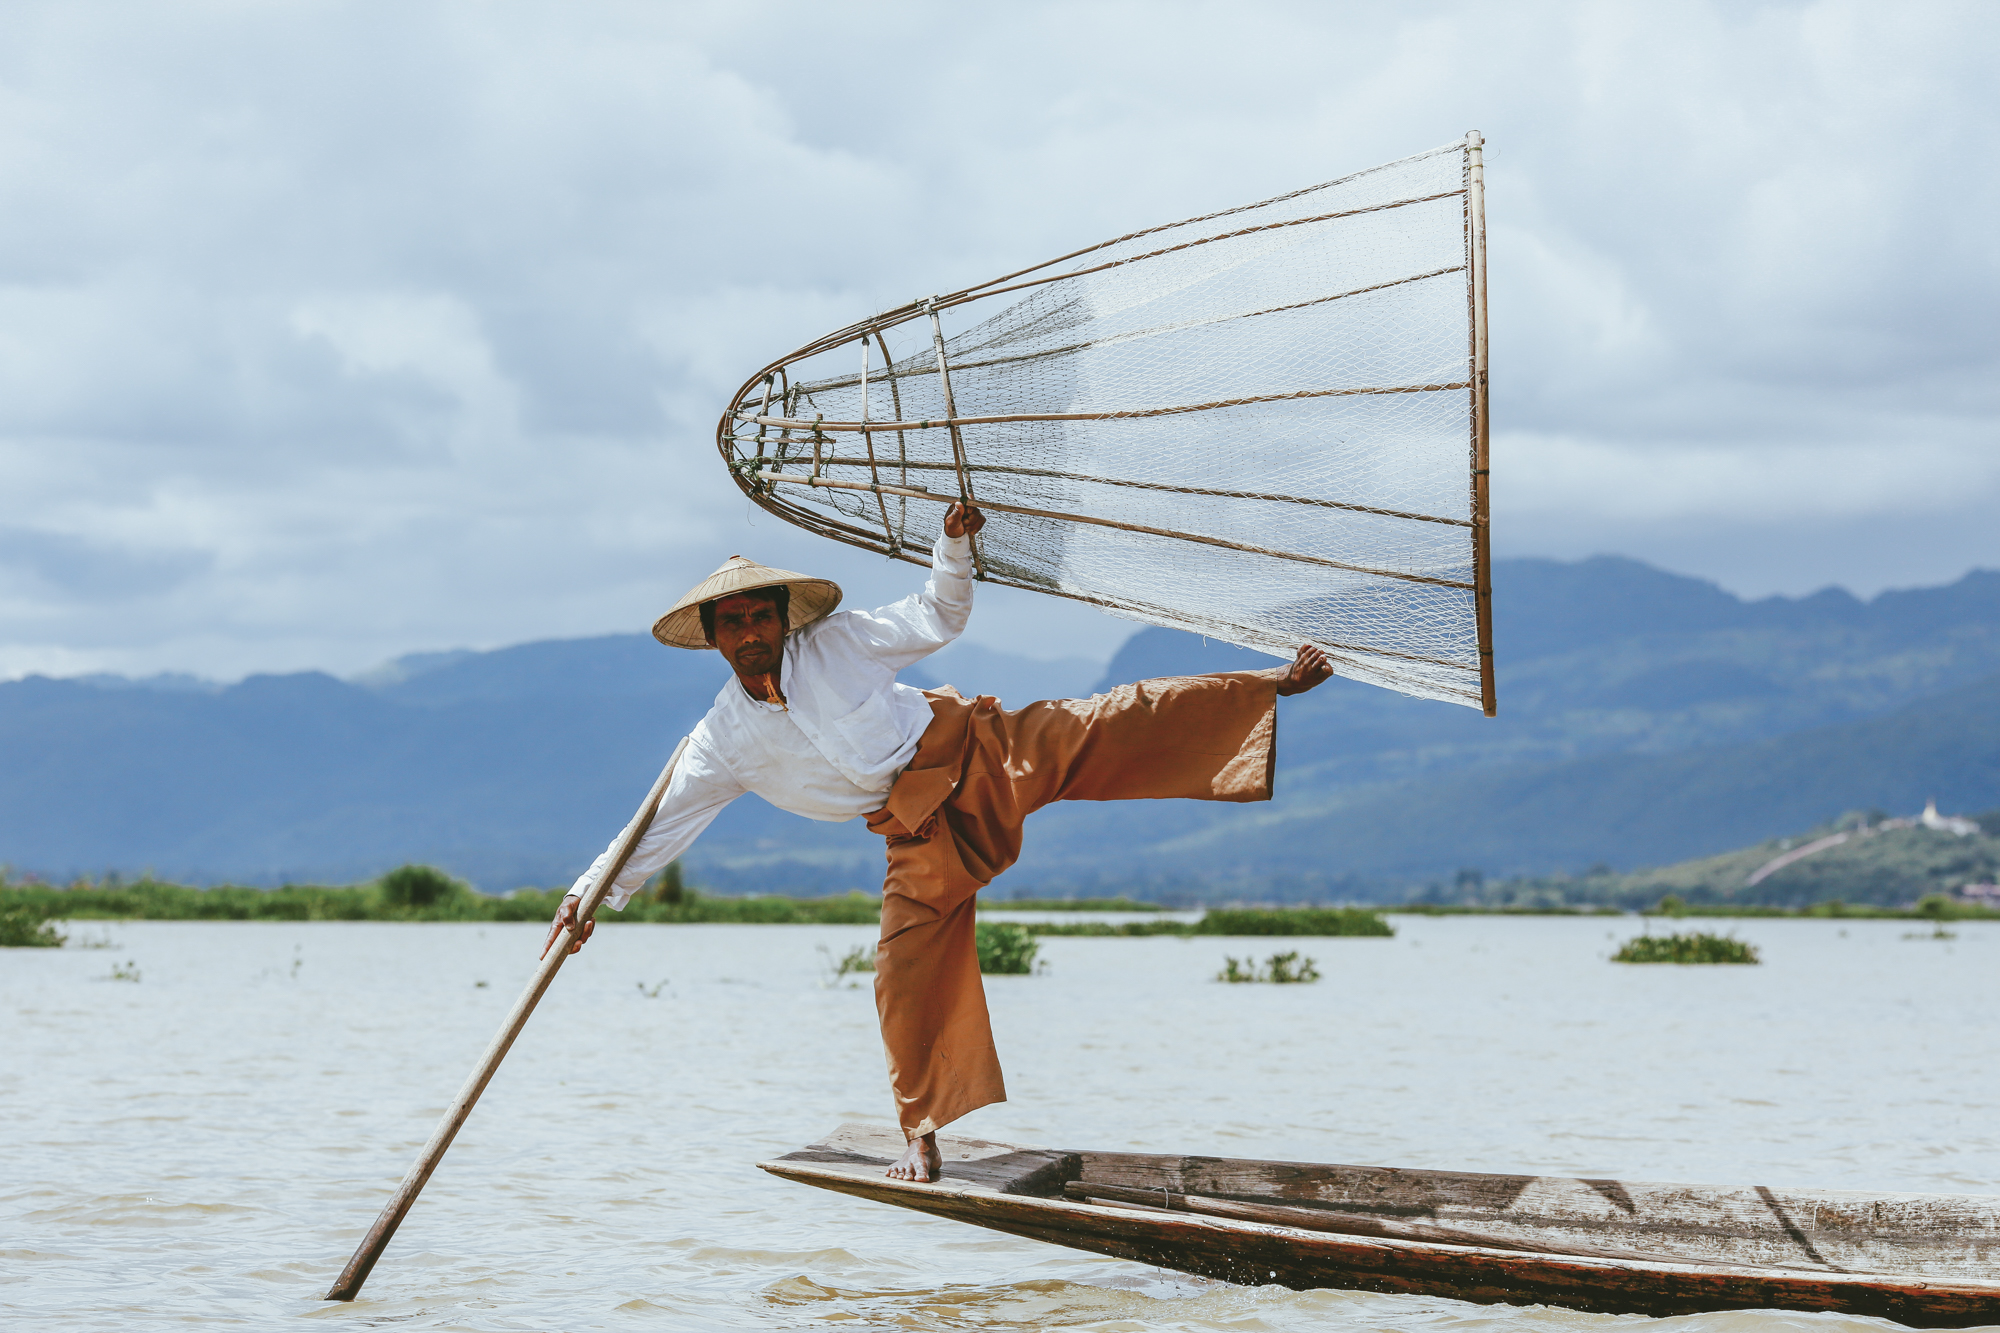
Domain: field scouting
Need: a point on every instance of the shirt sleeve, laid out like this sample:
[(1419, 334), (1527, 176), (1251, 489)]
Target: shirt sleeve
[(695, 795), (920, 624)]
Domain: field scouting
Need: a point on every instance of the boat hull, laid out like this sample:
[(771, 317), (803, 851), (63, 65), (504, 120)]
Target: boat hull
[(1019, 1191)]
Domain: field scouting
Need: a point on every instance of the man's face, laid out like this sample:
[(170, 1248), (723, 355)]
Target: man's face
[(749, 633)]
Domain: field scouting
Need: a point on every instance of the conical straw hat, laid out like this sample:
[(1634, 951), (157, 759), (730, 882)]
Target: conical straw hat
[(811, 599)]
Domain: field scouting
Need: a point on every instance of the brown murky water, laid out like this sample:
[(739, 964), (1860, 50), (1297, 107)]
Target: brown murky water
[(204, 1146)]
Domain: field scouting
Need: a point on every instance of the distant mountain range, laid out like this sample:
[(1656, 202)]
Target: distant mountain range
[(1645, 718)]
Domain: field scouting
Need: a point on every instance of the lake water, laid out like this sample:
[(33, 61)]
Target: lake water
[(205, 1146)]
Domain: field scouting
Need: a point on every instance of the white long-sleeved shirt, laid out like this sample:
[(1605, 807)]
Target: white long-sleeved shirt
[(834, 752)]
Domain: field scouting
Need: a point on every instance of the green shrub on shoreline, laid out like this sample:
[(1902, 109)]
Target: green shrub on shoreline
[(23, 927)]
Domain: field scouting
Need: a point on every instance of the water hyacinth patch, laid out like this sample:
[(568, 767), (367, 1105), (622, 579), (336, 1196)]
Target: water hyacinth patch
[(1694, 947), (1005, 949), (859, 959), (1294, 921), (1280, 969)]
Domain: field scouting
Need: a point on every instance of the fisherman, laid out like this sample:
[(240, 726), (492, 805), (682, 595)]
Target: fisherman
[(815, 723)]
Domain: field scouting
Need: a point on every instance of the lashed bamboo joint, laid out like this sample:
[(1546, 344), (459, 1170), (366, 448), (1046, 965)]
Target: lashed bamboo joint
[(1267, 425)]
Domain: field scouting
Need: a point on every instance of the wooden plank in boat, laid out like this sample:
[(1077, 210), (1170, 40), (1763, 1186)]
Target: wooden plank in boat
[(1840, 1231), (869, 1150)]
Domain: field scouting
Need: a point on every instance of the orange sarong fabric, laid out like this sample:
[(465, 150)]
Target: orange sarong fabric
[(953, 823)]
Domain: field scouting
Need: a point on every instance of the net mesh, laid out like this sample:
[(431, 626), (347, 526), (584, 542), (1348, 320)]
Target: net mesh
[(1257, 426)]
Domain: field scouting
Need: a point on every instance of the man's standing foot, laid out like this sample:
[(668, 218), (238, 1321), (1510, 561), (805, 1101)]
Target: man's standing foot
[(920, 1161), (1310, 668)]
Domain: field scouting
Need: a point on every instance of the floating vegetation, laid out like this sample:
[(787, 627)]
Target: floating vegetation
[(1106, 929), (1502, 909), (125, 971), (651, 994), (1281, 969), (1694, 947), (1294, 921), (1005, 949), (860, 958), (1237, 921), (1937, 932), (1066, 905), (26, 926)]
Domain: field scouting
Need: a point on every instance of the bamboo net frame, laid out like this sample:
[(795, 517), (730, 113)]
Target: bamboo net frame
[(1266, 425)]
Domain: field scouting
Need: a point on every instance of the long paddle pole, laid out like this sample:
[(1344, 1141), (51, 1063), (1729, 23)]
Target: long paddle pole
[(372, 1244)]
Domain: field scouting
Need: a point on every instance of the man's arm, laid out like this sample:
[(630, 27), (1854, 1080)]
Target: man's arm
[(695, 795), (919, 625)]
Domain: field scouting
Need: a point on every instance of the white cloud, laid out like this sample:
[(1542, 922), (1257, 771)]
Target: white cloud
[(329, 332)]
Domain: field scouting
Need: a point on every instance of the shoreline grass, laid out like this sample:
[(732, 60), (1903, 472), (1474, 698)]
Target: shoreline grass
[(422, 893), (409, 893)]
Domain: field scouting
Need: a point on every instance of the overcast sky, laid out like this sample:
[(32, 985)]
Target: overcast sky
[(334, 331)]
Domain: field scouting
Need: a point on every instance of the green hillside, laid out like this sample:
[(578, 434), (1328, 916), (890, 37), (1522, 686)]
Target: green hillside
[(1890, 867), (1862, 859)]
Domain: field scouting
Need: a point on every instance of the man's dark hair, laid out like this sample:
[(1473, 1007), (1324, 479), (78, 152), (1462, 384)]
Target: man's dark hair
[(778, 595)]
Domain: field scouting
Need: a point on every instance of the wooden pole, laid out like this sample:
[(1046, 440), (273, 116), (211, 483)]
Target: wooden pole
[(1482, 553), (902, 451), (351, 1277), (888, 528)]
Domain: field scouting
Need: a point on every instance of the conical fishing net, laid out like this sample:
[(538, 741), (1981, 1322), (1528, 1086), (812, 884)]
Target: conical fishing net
[(1265, 426)]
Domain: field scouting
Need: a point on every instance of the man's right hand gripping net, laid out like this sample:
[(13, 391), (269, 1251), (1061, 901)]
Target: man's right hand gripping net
[(1266, 425)]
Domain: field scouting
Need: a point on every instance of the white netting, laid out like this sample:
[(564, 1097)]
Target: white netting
[(1347, 468)]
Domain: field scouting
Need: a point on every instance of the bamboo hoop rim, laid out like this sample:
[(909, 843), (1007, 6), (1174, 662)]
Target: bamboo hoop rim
[(1474, 175)]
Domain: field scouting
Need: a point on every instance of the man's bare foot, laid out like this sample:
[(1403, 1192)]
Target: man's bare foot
[(920, 1161), (1310, 668)]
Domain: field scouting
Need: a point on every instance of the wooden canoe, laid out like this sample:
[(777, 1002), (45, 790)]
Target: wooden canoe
[(1615, 1247)]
